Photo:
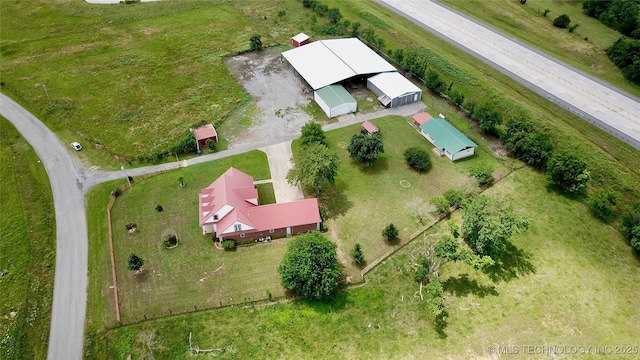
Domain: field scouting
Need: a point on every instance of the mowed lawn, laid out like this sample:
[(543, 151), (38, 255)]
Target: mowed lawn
[(571, 281), (195, 275), (27, 249), (366, 199)]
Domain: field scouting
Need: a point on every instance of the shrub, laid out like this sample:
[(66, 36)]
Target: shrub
[(134, 262), (211, 145), (356, 254), (418, 159), (631, 225), (482, 172), (228, 244), (603, 204), (546, 11), (390, 232), (569, 172), (131, 226), (159, 208), (562, 21), (171, 240), (255, 43)]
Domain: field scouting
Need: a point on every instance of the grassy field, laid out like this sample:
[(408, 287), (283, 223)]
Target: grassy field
[(118, 76), (540, 295), (583, 49), (27, 249), (365, 200)]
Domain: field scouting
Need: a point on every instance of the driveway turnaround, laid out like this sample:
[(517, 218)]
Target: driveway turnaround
[(66, 178), (609, 109), (279, 156)]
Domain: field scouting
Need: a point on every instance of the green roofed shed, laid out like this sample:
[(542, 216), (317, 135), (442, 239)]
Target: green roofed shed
[(449, 140), (334, 100)]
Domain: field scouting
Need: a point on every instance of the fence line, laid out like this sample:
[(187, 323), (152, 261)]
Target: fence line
[(113, 263)]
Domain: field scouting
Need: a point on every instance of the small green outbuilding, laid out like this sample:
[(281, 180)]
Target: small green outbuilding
[(448, 140)]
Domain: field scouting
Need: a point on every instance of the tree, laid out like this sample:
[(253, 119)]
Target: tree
[(313, 164), (631, 225), (482, 172), (312, 133), (334, 15), (489, 222), (526, 143), (365, 147), (390, 232), (417, 158), (357, 255), (434, 83), (255, 43), (310, 266), (437, 254), (135, 262), (418, 208), (181, 181), (603, 204), (488, 117), (568, 172), (454, 197), (441, 205), (562, 21), (457, 98)]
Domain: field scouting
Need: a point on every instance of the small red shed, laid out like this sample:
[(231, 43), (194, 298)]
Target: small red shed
[(299, 40), (421, 118), (204, 133), (367, 125)]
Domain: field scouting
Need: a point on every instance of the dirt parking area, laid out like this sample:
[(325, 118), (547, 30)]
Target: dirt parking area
[(279, 99)]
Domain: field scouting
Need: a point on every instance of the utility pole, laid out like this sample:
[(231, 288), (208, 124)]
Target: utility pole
[(47, 93), (127, 176)]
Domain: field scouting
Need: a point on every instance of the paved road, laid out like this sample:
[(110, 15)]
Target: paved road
[(605, 107), (66, 178)]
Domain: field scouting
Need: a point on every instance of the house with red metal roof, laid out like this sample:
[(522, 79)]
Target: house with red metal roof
[(230, 209)]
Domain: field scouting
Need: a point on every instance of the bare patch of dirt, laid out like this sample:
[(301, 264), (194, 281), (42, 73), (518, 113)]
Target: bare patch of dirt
[(277, 92)]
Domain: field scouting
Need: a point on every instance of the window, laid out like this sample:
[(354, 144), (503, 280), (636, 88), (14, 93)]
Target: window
[(215, 216), (271, 231), (237, 227), (242, 235)]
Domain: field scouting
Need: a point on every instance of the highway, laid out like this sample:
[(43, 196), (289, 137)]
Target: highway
[(590, 99)]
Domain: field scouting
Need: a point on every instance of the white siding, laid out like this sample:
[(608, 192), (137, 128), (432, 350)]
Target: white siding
[(207, 229), (322, 104), (231, 229), (463, 154)]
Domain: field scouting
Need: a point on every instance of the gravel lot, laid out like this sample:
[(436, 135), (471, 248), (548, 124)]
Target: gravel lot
[(278, 94)]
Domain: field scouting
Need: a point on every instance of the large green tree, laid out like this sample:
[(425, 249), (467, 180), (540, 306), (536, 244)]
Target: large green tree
[(569, 172), (310, 266), (488, 117), (631, 225), (312, 133), (489, 222), (482, 172), (313, 165), (365, 147)]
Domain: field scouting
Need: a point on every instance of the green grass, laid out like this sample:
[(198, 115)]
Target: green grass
[(266, 194), (129, 78), (365, 200), (527, 23), (570, 280), (27, 249)]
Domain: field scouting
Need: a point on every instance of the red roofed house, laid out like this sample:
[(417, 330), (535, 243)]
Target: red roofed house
[(204, 133), (299, 40), (229, 208), (421, 118), (367, 125)]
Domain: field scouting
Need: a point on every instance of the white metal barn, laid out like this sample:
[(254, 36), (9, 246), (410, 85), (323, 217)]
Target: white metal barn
[(326, 62), (334, 100), (393, 89)]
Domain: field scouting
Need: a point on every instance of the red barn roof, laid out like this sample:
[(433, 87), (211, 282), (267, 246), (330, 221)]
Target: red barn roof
[(421, 118), (206, 132), (234, 199), (367, 125)]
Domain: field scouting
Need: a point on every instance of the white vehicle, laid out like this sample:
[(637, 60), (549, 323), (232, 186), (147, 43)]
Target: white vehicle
[(76, 146)]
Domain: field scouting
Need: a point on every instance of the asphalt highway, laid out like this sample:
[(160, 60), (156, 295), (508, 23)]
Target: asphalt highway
[(592, 100)]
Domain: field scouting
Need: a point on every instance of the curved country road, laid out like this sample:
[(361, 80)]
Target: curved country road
[(592, 100), (66, 178)]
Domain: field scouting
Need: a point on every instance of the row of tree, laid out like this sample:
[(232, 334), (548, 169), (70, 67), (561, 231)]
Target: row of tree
[(625, 53), (621, 15)]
